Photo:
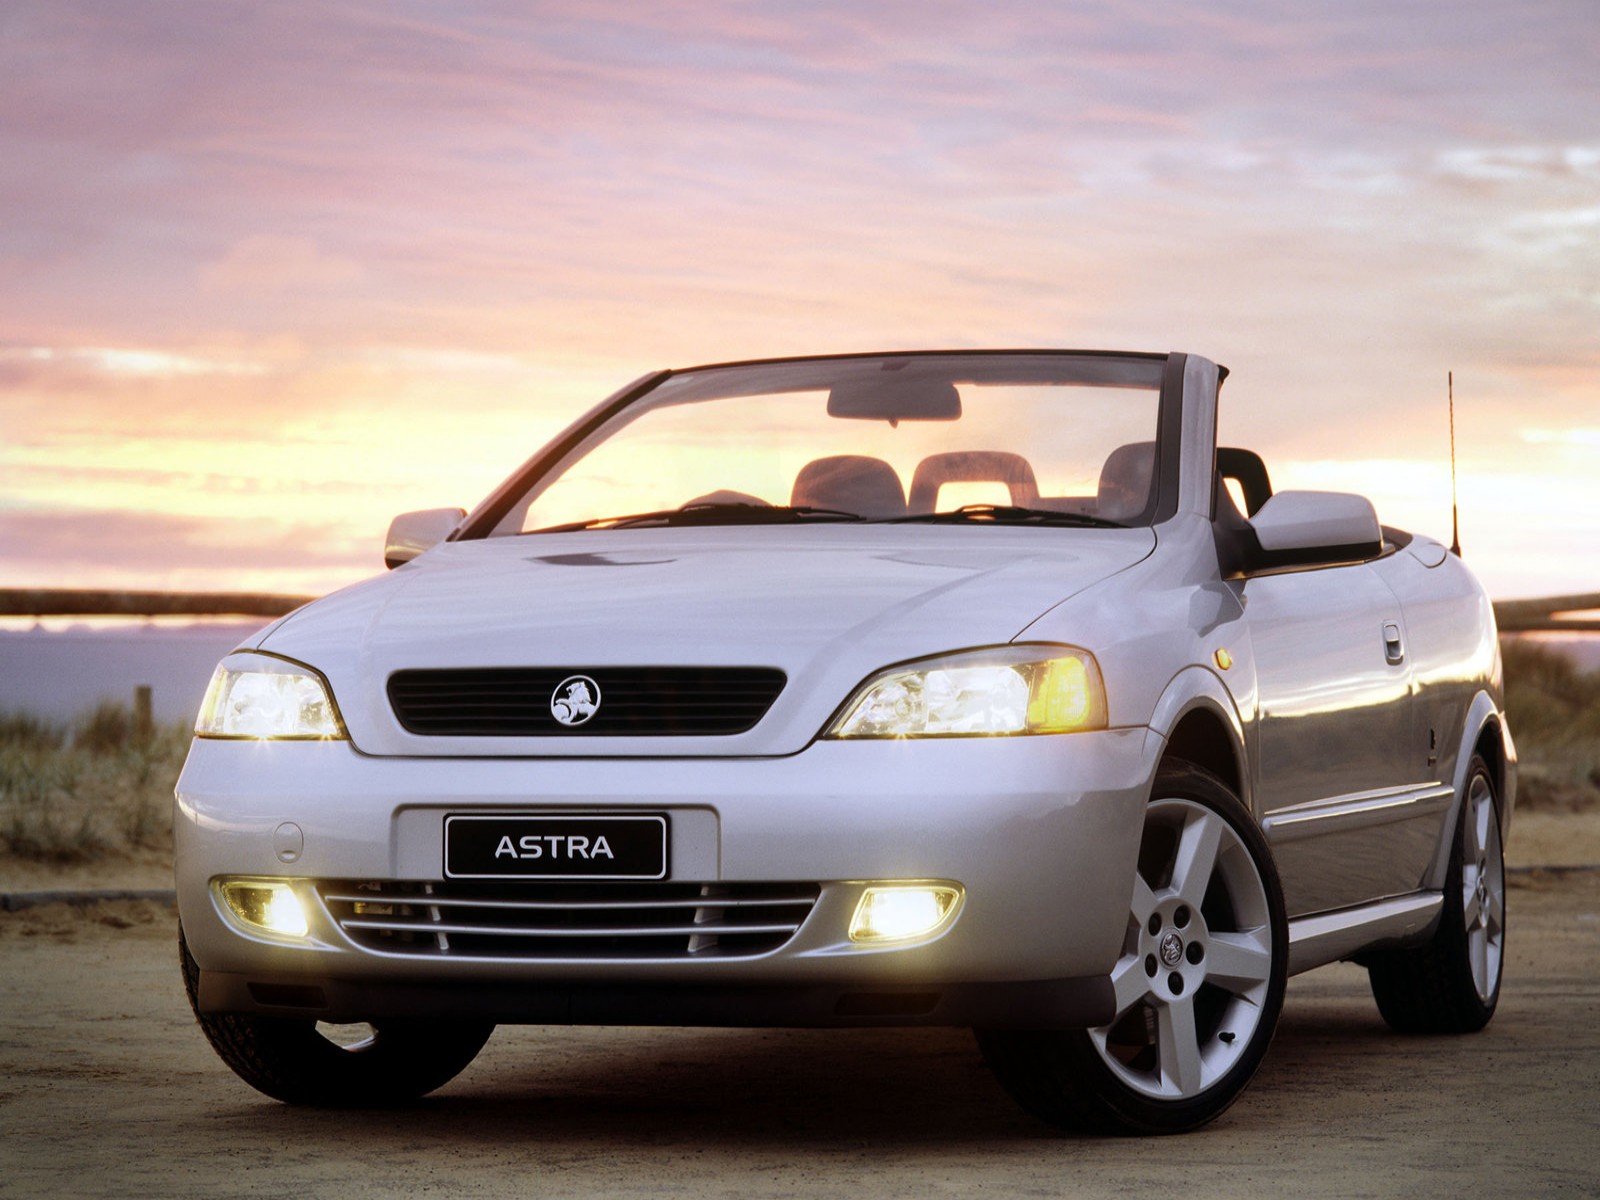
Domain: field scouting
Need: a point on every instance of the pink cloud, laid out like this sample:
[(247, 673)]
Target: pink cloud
[(110, 543), (1340, 205), (276, 264)]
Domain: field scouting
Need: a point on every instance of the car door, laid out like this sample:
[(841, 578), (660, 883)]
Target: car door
[(1341, 767)]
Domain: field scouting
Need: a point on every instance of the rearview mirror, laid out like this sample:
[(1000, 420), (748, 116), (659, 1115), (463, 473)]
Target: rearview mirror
[(1296, 528), (413, 532), (894, 399)]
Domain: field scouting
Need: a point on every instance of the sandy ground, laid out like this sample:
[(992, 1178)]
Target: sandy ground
[(107, 1089)]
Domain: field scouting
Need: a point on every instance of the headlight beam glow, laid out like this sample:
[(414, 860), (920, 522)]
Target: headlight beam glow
[(257, 696), (902, 912), (266, 904), (990, 693)]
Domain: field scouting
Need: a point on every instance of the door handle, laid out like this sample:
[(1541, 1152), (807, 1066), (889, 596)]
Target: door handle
[(1393, 649)]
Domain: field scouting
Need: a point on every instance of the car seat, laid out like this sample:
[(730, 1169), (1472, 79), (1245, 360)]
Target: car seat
[(973, 466), (1125, 479), (853, 483)]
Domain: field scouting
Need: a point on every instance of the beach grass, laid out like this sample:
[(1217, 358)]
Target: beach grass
[(1554, 712), (87, 790)]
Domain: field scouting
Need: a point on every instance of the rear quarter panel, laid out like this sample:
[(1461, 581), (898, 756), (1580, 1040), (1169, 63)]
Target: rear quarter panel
[(1451, 643)]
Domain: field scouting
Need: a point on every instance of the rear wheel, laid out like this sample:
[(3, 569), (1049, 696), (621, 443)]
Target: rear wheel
[(1451, 984), (1198, 987), (337, 1066)]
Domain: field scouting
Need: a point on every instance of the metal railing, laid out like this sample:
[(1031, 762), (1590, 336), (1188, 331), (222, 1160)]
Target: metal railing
[(71, 602), (1552, 613)]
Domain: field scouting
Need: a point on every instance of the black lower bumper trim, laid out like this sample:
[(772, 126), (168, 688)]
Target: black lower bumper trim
[(1033, 1004)]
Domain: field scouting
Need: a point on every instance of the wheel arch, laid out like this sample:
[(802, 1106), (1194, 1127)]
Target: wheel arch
[(1199, 724), (1486, 734), (1493, 743)]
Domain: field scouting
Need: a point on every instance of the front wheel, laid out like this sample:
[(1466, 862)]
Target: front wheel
[(1198, 987), (302, 1062), (1451, 984)]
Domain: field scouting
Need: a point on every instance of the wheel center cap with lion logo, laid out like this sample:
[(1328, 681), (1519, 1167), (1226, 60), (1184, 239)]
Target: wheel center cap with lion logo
[(575, 700), (1171, 950)]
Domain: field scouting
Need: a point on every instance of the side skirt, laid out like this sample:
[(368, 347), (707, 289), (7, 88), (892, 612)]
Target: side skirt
[(1329, 937)]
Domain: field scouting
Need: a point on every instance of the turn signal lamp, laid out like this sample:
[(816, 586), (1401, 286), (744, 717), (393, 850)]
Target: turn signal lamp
[(265, 904), (1063, 695), (903, 912)]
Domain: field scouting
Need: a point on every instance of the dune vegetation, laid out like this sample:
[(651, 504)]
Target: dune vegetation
[(1554, 711), (95, 788)]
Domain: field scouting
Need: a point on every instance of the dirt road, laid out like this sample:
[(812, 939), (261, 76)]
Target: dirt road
[(108, 1089)]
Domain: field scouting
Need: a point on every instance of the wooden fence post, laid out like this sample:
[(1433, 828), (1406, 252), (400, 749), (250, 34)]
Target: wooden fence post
[(143, 715)]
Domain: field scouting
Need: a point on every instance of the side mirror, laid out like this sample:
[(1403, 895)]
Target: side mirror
[(413, 532), (1296, 528)]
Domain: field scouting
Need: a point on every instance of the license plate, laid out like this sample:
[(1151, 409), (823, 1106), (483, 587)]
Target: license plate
[(555, 847)]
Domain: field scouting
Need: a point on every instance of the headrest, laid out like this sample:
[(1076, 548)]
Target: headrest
[(973, 466), (1125, 481), (852, 483)]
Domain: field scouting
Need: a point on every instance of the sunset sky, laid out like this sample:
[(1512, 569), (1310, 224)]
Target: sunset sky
[(273, 272)]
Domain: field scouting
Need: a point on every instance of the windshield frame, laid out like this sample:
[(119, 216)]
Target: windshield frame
[(487, 516)]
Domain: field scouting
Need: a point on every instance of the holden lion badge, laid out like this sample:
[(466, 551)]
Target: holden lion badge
[(575, 700)]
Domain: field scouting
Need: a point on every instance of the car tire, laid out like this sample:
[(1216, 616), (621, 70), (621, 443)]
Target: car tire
[(1451, 984), (292, 1060), (1198, 987)]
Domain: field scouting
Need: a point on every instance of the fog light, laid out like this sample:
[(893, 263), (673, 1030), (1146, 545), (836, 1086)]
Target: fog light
[(902, 912), (266, 904)]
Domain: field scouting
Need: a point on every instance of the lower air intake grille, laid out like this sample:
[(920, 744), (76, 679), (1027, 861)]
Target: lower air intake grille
[(614, 701), (569, 921)]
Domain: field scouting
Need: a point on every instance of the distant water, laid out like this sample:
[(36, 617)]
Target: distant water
[(58, 674), (1582, 648)]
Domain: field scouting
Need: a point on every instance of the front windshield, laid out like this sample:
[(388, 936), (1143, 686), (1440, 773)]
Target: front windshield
[(1038, 438)]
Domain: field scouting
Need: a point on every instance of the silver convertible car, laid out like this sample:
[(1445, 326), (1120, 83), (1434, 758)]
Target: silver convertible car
[(973, 688)]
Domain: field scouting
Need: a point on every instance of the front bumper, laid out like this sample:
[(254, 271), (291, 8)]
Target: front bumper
[(1040, 833)]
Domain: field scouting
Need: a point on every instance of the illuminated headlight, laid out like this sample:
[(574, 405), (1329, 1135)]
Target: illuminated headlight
[(1011, 690), (257, 696), (903, 911), (265, 904)]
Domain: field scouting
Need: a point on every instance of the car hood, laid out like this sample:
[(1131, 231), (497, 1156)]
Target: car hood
[(826, 605)]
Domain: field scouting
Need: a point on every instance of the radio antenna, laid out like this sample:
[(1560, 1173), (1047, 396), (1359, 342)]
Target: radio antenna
[(1455, 515)]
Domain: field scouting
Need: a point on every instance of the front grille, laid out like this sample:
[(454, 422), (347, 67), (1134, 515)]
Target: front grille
[(567, 920), (633, 701)]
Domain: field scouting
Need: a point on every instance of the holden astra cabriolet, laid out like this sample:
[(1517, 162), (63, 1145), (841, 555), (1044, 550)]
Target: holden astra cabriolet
[(973, 689)]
